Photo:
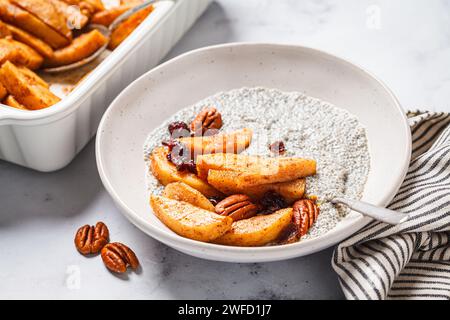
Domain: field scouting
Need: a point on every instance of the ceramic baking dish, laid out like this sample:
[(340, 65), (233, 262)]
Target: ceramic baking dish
[(49, 139)]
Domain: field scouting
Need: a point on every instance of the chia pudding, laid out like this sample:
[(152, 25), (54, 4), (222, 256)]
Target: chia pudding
[(309, 128)]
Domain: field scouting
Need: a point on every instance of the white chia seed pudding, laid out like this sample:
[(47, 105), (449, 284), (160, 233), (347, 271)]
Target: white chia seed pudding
[(309, 128)]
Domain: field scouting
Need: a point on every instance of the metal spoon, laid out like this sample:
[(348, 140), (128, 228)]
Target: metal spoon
[(107, 33), (377, 213)]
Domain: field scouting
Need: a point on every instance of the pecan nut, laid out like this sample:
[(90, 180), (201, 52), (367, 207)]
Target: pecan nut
[(207, 120), (238, 207), (117, 257), (90, 239), (306, 212)]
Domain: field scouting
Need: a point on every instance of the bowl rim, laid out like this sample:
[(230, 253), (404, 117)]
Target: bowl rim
[(172, 239)]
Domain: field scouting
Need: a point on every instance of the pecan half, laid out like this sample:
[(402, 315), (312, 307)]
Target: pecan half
[(208, 120), (238, 207), (117, 257), (90, 239), (306, 212), (178, 129)]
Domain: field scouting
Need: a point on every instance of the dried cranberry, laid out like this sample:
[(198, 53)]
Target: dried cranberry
[(188, 165), (180, 156), (278, 147), (179, 129), (272, 202), (177, 150), (177, 125), (169, 144)]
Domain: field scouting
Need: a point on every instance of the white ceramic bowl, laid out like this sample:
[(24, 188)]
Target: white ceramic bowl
[(200, 73)]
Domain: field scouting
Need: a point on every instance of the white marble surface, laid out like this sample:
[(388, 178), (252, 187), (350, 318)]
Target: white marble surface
[(406, 43)]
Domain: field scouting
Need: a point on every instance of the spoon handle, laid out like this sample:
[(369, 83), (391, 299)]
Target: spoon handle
[(377, 213)]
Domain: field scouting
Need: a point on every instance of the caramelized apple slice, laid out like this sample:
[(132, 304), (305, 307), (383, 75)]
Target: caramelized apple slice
[(19, 53), (190, 221), (32, 77), (25, 20), (31, 95), (127, 27), (72, 14), (12, 102), (87, 7), (244, 171), (3, 92), (182, 192), (225, 162), (234, 142), (243, 163), (27, 38), (106, 17), (4, 31), (46, 11), (257, 231), (81, 48), (227, 182), (166, 173), (275, 171)]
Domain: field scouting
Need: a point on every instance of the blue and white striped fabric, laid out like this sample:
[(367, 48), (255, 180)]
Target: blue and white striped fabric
[(411, 260)]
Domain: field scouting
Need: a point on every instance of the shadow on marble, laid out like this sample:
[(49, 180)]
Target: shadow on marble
[(211, 28), (186, 277), (30, 195)]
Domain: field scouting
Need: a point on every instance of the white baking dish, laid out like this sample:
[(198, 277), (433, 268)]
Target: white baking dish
[(49, 139)]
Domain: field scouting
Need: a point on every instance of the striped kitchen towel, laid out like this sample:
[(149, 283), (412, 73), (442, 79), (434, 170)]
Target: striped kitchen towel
[(410, 260)]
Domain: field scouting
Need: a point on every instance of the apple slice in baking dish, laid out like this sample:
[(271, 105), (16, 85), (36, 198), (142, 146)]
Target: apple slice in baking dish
[(47, 12), (26, 87), (234, 142), (81, 48), (166, 172), (29, 22), (19, 53), (257, 231), (190, 221)]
